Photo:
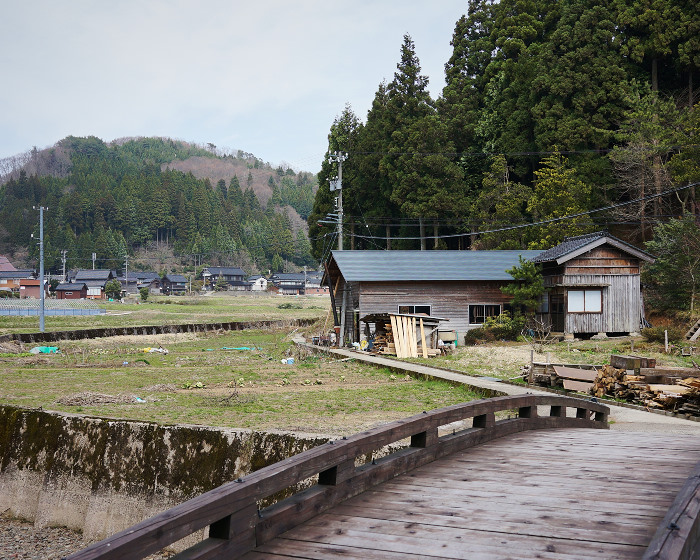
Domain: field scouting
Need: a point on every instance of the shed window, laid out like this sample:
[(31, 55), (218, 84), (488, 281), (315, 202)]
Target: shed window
[(414, 309), (69, 293), (478, 313), (585, 301)]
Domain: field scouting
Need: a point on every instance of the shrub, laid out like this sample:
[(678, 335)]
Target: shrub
[(476, 336), (656, 334)]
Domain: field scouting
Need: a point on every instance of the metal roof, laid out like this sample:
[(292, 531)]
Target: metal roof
[(407, 266), (99, 274), (572, 247), (224, 270)]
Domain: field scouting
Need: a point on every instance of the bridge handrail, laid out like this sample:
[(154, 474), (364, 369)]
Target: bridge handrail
[(237, 525), (679, 532)]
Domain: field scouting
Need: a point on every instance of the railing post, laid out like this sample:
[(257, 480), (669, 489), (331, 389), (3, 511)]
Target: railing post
[(337, 474), (527, 412)]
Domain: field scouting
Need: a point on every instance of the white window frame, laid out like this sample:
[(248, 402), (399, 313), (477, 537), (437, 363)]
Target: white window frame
[(584, 301)]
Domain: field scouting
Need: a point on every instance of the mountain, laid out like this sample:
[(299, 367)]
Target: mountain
[(186, 204)]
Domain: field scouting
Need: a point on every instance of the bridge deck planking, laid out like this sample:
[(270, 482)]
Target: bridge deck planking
[(548, 494)]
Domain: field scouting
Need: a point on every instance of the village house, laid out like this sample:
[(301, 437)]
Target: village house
[(67, 290), (288, 283), (10, 280), (235, 278), (29, 288), (95, 280), (174, 284), (257, 283), (593, 285)]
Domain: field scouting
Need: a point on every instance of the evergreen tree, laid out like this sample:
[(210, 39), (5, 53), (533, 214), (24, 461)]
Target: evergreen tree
[(557, 193)]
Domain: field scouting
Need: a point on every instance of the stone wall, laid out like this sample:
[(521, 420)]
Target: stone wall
[(101, 476)]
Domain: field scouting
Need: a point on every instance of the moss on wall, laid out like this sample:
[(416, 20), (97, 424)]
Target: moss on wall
[(136, 458)]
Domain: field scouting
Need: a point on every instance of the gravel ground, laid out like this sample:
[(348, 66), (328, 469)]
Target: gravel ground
[(20, 540)]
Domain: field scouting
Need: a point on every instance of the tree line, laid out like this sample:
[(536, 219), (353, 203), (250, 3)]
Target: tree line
[(550, 109), (113, 199)]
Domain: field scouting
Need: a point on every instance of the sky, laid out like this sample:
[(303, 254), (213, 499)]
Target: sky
[(267, 77)]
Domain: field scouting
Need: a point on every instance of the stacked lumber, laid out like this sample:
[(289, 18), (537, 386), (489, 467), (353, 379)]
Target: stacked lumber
[(384, 341)]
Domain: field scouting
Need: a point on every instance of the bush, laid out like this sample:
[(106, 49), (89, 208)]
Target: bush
[(505, 327), (656, 334), (477, 336)]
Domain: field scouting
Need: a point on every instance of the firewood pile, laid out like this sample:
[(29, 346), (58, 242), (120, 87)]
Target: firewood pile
[(683, 396)]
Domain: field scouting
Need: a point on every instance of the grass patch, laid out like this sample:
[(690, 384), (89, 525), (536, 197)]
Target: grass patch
[(200, 382)]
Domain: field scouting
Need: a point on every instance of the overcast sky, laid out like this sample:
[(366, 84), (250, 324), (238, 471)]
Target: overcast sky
[(267, 76)]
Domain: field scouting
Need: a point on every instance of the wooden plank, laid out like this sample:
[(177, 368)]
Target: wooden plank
[(397, 335), (422, 339), (414, 337), (580, 386), (576, 373)]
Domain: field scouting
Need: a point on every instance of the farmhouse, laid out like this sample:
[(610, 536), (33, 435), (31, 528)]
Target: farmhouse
[(463, 287), (235, 278), (67, 290), (174, 284), (593, 285)]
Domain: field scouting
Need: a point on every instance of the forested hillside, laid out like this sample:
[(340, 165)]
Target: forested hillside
[(152, 199), (551, 109)]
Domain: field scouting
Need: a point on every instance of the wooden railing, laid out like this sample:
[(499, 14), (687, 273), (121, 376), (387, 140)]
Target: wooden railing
[(236, 525), (678, 536)]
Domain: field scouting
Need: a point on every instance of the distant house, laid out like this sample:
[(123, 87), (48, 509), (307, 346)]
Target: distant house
[(29, 288), (10, 279), (130, 284), (95, 280), (288, 283), (314, 285), (67, 290), (234, 277), (257, 283), (174, 284), (594, 285), (150, 280)]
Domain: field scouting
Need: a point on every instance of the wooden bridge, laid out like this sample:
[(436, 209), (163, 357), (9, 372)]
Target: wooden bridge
[(509, 477)]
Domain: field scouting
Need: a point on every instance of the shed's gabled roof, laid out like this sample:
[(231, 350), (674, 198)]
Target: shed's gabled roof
[(68, 286), (573, 247), (407, 266), (175, 278)]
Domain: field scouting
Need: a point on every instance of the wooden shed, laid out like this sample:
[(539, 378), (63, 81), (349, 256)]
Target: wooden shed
[(593, 285), (463, 287)]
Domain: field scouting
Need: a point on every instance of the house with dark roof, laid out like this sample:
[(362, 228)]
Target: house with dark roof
[(95, 280), (462, 287), (235, 278), (174, 284), (593, 284), (288, 283), (67, 290)]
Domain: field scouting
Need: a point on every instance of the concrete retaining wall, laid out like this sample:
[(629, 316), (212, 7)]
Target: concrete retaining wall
[(101, 476)]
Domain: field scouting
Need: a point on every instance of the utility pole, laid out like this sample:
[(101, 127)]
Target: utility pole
[(41, 267), (94, 256), (337, 185), (126, 273), (63, 260)]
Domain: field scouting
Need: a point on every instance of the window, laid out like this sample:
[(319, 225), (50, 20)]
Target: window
[(543, 306), (478, 313), (585, 301), (414, 309)]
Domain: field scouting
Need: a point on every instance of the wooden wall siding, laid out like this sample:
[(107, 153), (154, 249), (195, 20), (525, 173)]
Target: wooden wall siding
[(449, 300), (603, 260), (621, 305)]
